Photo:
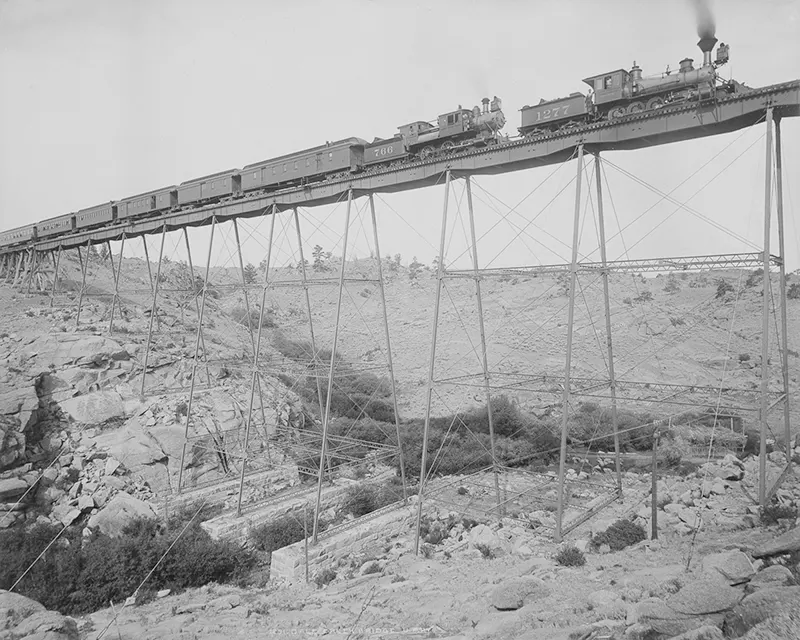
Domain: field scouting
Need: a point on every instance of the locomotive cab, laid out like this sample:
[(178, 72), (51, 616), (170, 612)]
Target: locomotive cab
[(610, 87), (454, 123)]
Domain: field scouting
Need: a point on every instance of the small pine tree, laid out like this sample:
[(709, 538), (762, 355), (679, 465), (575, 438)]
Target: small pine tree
[(414, 268), (250, 274), (320, 258), (104, 252)]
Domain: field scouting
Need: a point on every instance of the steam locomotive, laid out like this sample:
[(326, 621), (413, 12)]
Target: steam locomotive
[(611, 96), (619, 93)]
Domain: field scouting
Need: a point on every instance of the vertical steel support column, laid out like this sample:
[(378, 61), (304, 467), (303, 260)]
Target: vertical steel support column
[(762, 456), (196, 348), (153, 308), (147, 261), (784, 337), (573, 277), (389, 360), (431, 371), (196, 303), (56, 263), (327, 415), (607, 302), (256, 353), (116, 273), (484, 355), (308, 310), (3, 268), (84, 269)]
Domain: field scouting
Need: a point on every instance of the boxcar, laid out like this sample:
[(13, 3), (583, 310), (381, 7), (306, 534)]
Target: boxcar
[(15, 236), (217, 185), (342, 155), (100, 214), (384, 150), (55, 226), (144, 203), (553, 114)]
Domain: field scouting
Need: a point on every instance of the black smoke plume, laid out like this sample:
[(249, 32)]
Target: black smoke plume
[(705, 18)]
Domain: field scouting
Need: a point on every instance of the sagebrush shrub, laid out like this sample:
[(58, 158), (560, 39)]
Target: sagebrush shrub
[(324, 577), (623, 533), (280, 532), (570, 556), (773, 513)]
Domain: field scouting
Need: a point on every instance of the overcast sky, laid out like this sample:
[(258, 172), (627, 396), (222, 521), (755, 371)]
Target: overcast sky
[(102, 99)]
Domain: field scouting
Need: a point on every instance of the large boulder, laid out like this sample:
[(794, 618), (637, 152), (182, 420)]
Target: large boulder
[(734, 567), (788, 542), (513, 594), (654, 614), (773, 576), (703, 597), (11, 489), (120, 511), (57, 351), (94, 408), (760, 606), (24, 619)]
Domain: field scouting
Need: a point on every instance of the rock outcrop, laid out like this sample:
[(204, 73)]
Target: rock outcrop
[(24, 619)]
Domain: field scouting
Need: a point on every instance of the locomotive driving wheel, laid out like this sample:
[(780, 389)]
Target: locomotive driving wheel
[(448, 146), (655, 103), (635, 107), (616, 112), (427, 152)]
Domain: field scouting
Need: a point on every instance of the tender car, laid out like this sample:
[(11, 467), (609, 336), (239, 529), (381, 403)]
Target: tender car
[(552, 115)]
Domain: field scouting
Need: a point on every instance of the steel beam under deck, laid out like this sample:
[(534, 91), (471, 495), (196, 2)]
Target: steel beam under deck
[(671, 124)]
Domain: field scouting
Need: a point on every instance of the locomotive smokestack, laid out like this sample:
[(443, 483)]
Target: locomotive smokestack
[(706, 28)]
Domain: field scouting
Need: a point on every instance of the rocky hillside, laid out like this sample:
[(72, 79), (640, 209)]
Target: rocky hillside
[(83, 449)]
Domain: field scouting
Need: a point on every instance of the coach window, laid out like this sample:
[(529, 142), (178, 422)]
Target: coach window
[(284, 168), (330, 156), (295, 165), (308, 162)]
